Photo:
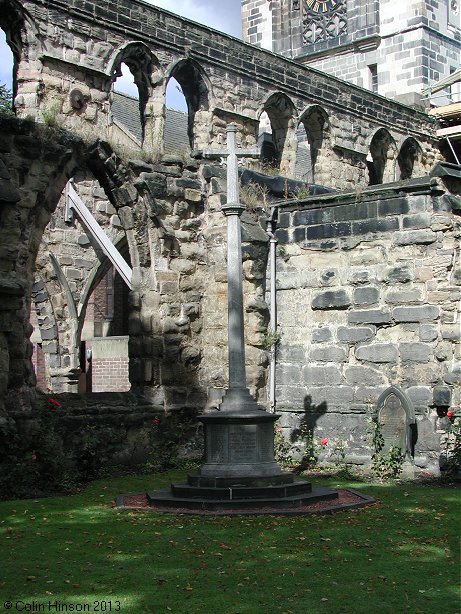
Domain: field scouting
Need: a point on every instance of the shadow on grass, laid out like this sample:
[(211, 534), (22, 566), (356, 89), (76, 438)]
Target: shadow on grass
[(402, 553)]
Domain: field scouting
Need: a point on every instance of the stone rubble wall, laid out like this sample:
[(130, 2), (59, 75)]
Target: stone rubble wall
[(368, 293), (80, 45), (34, 167)]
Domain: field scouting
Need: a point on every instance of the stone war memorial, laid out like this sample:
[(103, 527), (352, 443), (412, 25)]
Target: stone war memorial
[(114, 258)]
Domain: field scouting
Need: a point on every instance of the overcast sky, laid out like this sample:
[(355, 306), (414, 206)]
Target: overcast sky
[(223, 15)]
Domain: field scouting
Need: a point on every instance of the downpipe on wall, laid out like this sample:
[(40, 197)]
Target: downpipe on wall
[(271, 226)]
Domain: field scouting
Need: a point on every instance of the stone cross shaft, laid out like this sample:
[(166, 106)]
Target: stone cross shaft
[(237, 397)]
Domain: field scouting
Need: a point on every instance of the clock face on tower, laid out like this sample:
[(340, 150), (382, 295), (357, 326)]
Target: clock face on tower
[(322, 7), (323, 20)]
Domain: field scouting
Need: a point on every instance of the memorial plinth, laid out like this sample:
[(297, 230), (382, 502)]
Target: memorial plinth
[(239, 468)]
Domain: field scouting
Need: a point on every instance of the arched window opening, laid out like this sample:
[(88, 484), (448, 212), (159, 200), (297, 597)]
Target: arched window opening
[(266, 145), (409, 159), (187, 78), (176, 137), (127, 127), (278, 113), (104, 337), (131, 89), (381, 158), (311, 135)]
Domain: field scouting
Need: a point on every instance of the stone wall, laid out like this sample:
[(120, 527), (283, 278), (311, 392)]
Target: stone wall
[(67, 78), (34, 167), (368, 291)]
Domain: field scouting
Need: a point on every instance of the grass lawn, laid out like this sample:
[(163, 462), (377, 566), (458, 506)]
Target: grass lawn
[(399, 555)]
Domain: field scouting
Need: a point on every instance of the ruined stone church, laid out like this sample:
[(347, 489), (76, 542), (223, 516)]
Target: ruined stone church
[(116, 245)]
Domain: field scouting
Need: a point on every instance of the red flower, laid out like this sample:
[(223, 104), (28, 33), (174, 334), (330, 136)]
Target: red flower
[(324, 441), (54, 403), (451, 414), (156, 421), (34, 456)]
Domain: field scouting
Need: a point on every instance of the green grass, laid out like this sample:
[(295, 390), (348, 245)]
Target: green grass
[(399, 555)]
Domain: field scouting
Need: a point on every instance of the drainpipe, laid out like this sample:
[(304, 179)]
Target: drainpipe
[(271, 226)]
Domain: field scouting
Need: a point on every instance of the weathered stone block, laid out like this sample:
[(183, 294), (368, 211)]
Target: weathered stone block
[(405, 295), (319, 335), (358, 375), (428, 332), (417, 220), (331, 299), (418, 313), (355, 334), (414, 237), (292, 353), (366, 295), (375, 226), (451, 333), (399, 274), (332, 353), (330, 397), (48, 333), (325, 231), (420, 396), (441, 396), (369, 316), (416, 352), (315, 375), (289, 375), (392, 206), (377, 352)]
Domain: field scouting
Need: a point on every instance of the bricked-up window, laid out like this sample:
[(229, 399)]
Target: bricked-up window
[(373, 77)]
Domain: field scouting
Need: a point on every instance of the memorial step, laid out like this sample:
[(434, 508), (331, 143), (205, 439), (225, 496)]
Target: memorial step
[(166, 499), (195, 479), (242, 492)]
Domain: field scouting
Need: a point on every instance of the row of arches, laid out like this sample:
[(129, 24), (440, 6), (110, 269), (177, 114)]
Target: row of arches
[(291, 142)]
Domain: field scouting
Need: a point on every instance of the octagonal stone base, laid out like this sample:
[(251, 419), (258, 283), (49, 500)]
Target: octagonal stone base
[(239, 446)]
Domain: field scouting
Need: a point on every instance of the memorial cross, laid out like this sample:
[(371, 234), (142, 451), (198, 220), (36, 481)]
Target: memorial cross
[(237, 398)]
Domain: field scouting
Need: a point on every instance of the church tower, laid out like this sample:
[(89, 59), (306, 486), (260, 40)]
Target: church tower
[(393, 48)]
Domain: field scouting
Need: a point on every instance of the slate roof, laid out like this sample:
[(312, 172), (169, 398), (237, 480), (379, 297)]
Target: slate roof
[(125, 110)]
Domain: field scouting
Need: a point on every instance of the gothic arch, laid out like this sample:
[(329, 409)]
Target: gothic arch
[(381, 158), (197, 91), (281, 113), (409, 160), (146, 72), (98, 272), (314, 132)]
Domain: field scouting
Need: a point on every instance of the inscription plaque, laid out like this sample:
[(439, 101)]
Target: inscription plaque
[(392, 418), (217, 444), (266, 442), (242, 440)]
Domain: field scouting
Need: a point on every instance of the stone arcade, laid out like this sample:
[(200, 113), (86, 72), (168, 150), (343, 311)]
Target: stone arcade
[(368, 276)]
